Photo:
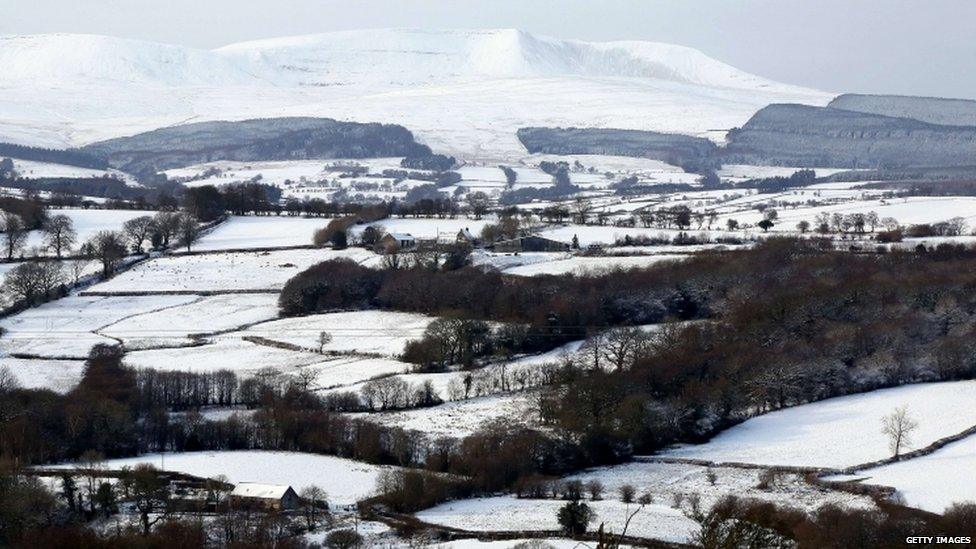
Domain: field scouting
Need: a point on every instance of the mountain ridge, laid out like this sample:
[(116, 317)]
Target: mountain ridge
[(463, 92)]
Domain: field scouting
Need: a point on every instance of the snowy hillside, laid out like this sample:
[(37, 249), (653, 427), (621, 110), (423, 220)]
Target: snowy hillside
[(464, 92)]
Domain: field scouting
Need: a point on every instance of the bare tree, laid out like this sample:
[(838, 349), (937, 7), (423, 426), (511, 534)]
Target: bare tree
[(33, 280), (14, 233), (392, 261), (305, 378), (167, 225), (77, 268), (59, 233), (91, 467), (621, 346), (149, 495), (581, 209), (872, 220), (108, 247), (314, 506), (898, 425), (137, 230), (592, 349), (188, 230), (386, 393), (324, 339), (595, 488), (478, 202)]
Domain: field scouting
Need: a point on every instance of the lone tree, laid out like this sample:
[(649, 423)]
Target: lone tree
[(898, 425), (324, 339), (765, 224), (59, 234)]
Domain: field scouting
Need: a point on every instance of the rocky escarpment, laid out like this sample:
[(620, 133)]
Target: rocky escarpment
[(934, 110), (799, 135), (675, 149)]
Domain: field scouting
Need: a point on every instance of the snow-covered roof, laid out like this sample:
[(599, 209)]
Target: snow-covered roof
[(467, 234), (401, 236), (262, 491)]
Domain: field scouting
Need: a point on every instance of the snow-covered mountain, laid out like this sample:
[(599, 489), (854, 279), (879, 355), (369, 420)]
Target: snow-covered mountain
[(464, 92)]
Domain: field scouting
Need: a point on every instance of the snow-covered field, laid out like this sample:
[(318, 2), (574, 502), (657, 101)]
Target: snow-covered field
[(172, 326), (741, 172), (346, 481), (382, 332), (225, 271), (656, 521), (907, 211), (463, 417), (87, 223), (35, 169), (245, 358), (844, 431), (590, 265), (347, 371), (226, 353), (69, 327), (57, 375), (665, 481), (931, 482), (261, 232), (504, 261)]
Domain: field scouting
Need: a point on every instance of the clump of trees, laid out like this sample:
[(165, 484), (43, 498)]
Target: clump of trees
[(435, 162), (776, 184), (207, 202)]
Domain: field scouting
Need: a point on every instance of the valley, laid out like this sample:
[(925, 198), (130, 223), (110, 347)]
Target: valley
[(471, 288)]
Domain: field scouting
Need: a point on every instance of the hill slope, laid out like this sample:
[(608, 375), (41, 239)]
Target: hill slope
[(463, 92), (247, 140)]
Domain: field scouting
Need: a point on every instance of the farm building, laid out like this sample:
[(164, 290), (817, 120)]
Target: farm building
[(392, 242), (531, 244), (465, 236), (266, 496)]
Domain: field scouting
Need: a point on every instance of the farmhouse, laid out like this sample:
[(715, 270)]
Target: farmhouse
[(531, 243), (465, 236), (392, 242), (264, 496)]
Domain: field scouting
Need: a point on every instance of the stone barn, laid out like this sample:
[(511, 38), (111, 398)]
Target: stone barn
[(274, 497)]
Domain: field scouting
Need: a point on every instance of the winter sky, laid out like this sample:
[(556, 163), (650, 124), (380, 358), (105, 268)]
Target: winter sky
[(884, 46)]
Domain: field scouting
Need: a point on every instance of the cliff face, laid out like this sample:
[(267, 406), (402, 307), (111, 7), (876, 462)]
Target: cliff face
[(935, 110), (253, 140), (798, 135), (673, 148)]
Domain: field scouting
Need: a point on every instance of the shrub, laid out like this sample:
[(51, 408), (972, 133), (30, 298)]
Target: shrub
[(574, 517)]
